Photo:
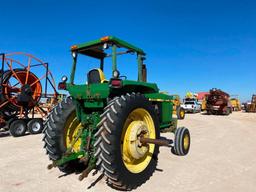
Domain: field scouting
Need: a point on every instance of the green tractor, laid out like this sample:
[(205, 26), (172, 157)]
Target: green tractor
[(114, 125)]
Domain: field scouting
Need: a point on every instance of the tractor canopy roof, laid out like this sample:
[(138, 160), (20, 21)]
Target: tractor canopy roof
[(95, 48)]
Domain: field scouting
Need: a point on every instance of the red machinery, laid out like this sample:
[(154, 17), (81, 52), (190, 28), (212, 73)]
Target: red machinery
[(21, 90), (217, 102)]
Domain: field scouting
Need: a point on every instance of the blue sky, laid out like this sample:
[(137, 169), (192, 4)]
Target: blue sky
[(190, 45)]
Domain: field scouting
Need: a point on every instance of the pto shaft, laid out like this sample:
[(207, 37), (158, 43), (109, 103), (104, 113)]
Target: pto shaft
[(160, 142)]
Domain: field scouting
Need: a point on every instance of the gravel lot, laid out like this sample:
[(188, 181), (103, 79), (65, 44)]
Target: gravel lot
[(222, 158)]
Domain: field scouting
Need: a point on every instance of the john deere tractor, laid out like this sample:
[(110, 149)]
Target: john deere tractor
[(113, 125)]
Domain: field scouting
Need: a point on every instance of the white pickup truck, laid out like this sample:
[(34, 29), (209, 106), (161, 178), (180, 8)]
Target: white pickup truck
[(191, 106)]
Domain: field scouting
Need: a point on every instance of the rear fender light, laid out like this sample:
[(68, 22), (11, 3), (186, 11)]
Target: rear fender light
[(62, 86), (116, 83)]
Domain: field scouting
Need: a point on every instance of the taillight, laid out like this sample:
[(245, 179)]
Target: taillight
[(62, 86), (192, 106), (116, 83)]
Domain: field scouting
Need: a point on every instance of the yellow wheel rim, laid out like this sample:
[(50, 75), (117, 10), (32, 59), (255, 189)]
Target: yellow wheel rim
[(135, 156), (186, 142), (72, 129), (182, 113)]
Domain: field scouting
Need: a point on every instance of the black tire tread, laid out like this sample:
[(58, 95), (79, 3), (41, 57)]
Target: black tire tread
[(106, 137), (12, 129), (178, 141), (53, 133)]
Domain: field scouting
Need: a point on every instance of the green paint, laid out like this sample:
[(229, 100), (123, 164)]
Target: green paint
[(112, 39), (93, 104), (159, 96), (89, 92), (114, 68), (166, 112)]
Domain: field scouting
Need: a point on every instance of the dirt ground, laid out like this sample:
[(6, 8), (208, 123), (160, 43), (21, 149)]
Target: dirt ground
[(222, 158)]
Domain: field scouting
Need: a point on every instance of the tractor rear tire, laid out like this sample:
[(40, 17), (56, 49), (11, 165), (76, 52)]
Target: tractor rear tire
[(181, 141), (18, 128), (116, 121), (180, 112), (54, 133)]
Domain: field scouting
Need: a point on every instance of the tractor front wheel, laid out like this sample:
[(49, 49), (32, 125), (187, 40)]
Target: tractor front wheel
[(180, 112), (125, 162), (181, 141)]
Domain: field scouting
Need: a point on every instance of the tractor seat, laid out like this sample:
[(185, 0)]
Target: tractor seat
[(96, 76)]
